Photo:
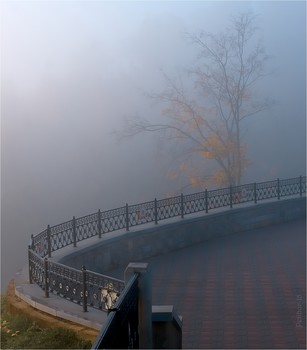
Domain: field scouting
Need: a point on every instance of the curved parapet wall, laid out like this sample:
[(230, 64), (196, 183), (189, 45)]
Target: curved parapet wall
[(64, 277), (78, 229), (141, 245)]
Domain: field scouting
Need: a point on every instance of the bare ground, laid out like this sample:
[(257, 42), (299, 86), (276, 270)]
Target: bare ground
[(16, 305)]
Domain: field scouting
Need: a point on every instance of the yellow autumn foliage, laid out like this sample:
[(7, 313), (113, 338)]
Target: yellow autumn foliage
[(207, 154), (219, 177), (194, 181)]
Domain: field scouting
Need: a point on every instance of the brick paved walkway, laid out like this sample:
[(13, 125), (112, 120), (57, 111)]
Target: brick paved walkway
[(243, 291)]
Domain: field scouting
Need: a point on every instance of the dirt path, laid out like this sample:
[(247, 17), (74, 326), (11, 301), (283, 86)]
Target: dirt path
[(16, 305)]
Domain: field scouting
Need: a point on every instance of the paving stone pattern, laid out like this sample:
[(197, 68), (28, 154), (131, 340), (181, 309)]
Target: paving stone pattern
[(242, 291)]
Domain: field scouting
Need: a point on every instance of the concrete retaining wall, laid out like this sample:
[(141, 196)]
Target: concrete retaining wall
[(163, 238)]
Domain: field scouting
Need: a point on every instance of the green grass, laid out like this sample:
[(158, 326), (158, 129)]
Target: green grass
[(21, 332)]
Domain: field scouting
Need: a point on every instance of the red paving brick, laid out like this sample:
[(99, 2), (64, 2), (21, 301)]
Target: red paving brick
[(240, 291), (257, 270)]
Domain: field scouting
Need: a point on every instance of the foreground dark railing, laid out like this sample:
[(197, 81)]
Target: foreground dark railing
[(82, 287), (121, 329), (89, 288)]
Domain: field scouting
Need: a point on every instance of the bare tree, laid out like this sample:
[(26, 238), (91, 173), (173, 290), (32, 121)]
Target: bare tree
[(208, 125)]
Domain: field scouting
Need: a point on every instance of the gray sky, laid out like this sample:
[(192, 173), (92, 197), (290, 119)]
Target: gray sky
[(71, 71)]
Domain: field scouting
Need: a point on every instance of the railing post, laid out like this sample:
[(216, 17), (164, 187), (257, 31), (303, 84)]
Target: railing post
[(48, 241), (74, 232), (181, 206), (301, 184), (31, 243), (127, 217), (84, 291), (99, 223), (156, 211), (29, 262), (278, 189), (230, 196), (255, 193), (206, 200), (46, 278), (144, 302)]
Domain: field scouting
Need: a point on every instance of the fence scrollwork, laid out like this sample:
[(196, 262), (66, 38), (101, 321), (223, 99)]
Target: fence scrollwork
[(102, 291)]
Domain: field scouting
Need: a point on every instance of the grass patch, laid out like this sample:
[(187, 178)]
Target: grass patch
[(21, 332)]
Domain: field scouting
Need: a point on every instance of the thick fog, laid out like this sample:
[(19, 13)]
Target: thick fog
[(71, 72)]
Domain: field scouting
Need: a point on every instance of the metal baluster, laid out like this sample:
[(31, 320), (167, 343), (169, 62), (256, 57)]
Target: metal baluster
[(301, 190), (278, 189), (84, 291), (31, 245), (181, 206), (99, 223), (29, 259), (48, 241), (255, 193), (74, 233), (156, 211), (206, 200), (127, 217), (230, 196), (46, 278)]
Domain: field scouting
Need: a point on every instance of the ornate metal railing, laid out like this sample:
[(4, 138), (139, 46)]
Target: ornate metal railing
[(66, 281), (82, 287), (78, 229), (120, 331)]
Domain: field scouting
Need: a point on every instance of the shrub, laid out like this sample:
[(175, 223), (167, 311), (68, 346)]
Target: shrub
[(21, 332)]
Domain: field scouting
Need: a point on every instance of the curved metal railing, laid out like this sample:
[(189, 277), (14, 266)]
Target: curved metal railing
[(89, 288)]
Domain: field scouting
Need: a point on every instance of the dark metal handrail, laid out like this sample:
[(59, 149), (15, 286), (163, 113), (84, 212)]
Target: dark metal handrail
[(73, 231), (83, 287), (120, 331), (78, 229)]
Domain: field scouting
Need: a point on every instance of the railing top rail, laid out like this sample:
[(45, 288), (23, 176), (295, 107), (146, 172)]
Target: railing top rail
[(86, 216), (169, 198), (55, 263), (114, 209), (105, 276), (78, 229), (269, 183), (175, 198), (293, 179), (113, 315), (68, 222), (140, 204), (40, 234), (130, 283), (35, 254)]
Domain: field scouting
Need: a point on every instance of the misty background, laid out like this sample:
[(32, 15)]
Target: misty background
[(71, 72)]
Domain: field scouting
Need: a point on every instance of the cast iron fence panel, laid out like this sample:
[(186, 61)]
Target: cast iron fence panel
[(61, 235), (39, 244), (103, 291), (36, 269), (73, 231), (120, 330), (168, 208), (86, 227), (267, 190), (65, 281), (219, 198), (141, 213), (100, 291), (195, 202), (289, 187), (113, 220), (243, 194)]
